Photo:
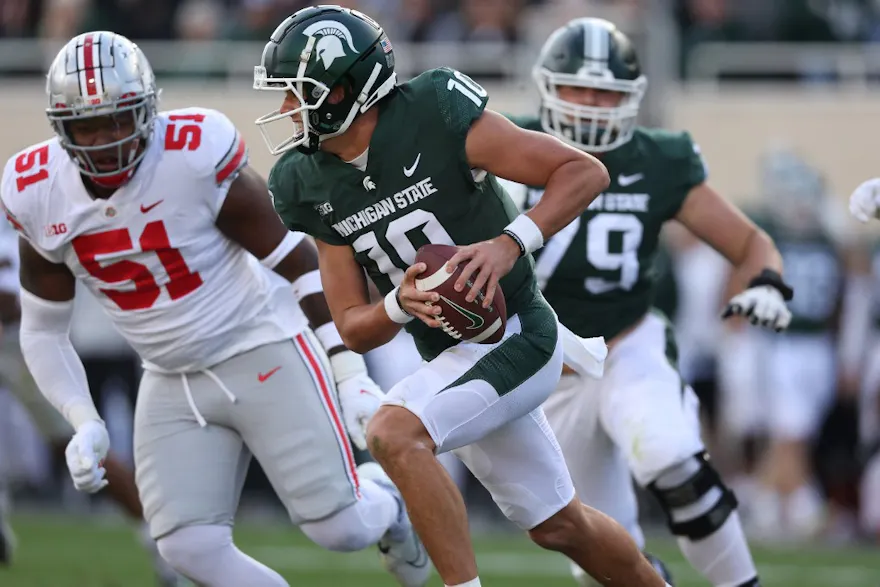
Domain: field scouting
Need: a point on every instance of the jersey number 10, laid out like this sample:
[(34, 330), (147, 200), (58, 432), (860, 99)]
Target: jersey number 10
[(471, 89), (399, 242)]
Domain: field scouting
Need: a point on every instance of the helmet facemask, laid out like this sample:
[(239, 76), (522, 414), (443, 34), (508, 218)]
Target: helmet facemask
[(302, 87), (312, 96), (130, 149), (590, 128)]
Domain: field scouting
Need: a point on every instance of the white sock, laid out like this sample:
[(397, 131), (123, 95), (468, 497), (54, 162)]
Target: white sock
[(471, 583), (723, 557), (804, 511)]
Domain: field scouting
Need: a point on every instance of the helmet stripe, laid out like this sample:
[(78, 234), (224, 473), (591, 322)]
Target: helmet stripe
[(89, 51), (595, 42)]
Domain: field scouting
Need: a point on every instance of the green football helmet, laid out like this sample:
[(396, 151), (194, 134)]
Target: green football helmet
[(794, 190), (311, 53), (589, 53)]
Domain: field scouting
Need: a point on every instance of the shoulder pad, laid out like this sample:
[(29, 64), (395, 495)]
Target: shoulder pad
[(678, 150), (283, 174), (209, 140), (27, 179), (671, 144)]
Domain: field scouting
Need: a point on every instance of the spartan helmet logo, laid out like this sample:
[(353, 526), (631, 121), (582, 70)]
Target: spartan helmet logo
[(329, 46)]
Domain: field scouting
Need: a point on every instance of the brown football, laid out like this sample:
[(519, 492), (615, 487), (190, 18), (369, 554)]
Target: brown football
[(462, 320)]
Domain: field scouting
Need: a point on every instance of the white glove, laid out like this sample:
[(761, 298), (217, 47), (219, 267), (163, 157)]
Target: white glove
[(763, 305), (85, 456), (865, 200), (359, 396)]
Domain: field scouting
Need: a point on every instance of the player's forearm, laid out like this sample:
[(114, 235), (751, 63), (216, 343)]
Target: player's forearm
[(364, 328), (758, 254), (315, 308), (570, 189), (51, 359), (300, 266)]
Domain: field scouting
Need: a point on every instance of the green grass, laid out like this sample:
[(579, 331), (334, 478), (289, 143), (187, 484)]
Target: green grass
[(57, 551)]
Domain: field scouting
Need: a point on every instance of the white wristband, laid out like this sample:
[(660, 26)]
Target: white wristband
[(328, 336), (393, 309), (527, 234), (287, 244), (307, 284), (346, 365)]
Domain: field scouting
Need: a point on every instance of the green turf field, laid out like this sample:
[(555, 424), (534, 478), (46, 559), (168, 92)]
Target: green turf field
[(69, 552)]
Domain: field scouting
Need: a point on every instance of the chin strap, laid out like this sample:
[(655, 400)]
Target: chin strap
[(311, 146), (113, 181)]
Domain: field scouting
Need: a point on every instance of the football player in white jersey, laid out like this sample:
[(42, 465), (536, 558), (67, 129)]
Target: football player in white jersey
[(158, 214), (54, 429)]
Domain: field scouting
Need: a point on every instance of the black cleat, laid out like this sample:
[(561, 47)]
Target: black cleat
[(7, 542)]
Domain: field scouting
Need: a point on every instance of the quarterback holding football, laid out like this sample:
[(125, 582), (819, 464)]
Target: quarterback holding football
[(374, 170)]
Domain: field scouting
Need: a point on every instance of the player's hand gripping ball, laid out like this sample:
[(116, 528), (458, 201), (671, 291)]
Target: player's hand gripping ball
[(460, 319)]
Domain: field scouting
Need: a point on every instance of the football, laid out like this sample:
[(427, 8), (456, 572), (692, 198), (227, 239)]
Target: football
[(462, 320)]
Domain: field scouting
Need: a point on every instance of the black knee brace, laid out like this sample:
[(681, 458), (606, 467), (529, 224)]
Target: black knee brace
[(688, 493)]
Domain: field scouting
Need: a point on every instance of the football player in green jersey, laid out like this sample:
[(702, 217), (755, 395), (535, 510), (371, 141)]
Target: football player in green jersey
[(641, 417), (374, 170), (800, 367)]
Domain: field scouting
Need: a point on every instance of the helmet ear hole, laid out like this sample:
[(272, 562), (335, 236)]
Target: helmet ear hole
[(339, 92)]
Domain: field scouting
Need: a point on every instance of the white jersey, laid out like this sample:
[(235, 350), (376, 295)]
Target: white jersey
[(183, 294)]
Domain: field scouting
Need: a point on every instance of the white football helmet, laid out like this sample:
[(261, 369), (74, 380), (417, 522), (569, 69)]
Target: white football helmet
[(102, 74)]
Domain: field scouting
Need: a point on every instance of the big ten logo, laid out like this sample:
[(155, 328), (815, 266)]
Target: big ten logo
[(55, 229)]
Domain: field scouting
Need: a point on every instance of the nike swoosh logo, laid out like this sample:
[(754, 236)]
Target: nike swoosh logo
[(408, 171), (146, 209), (625, 180), (476, 320), (264, 376)]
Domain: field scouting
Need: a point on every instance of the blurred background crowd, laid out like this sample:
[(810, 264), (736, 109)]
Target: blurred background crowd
[(778, 94), (425, 21)]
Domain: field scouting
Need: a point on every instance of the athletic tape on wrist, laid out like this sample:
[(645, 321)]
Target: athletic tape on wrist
[(328, 336), (346, 365), (394, 309)]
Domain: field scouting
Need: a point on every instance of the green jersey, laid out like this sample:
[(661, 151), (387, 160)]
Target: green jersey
[(417, 188), (814, 268), (600, 272)]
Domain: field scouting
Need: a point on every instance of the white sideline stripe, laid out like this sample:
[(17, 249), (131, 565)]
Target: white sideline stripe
[(544, 565)]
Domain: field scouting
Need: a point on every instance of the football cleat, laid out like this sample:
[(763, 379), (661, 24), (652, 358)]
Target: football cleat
[(405, 557), (7, 541), (660, 567)]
